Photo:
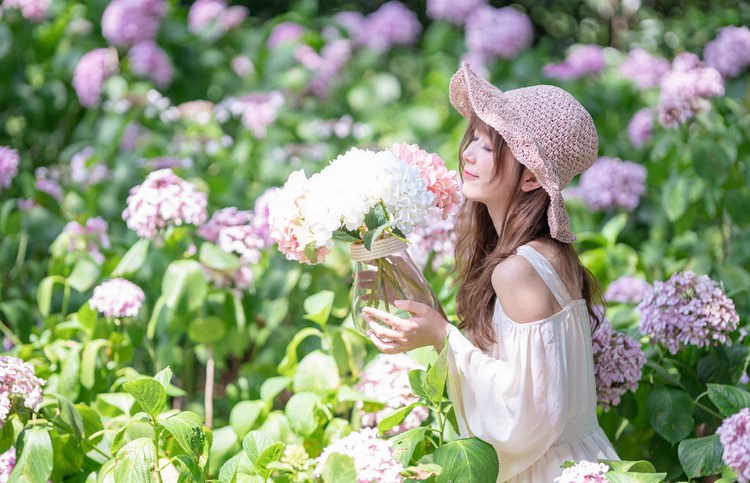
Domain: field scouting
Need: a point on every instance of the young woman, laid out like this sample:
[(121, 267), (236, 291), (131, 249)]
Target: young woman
[(523, 379)]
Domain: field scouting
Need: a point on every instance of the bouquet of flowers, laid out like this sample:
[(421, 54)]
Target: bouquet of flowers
[(372, 200)]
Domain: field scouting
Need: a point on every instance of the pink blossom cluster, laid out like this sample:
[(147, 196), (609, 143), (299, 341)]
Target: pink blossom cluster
[(734, 434), (88, 238), (134, 136), (18, 381), (7, 463), (390, 25), (9, 161), (326, 65), (686, 90), (214, 17), (441, 182), (242, 65), (729, 52), (373, 457), (256, 111), (34, 10), (164, 199), (261, 213), (127, 22), (436, 238), (641, 127), (47, 180), (496, 33), (117, 298), (452, 11), (627, 290), (611, 183), (586, 60), (386, 379), (688, 309), (618, 364), (283, 33), (82, 173), (644, 68), (147, 59), (94, 68), (584, 472)]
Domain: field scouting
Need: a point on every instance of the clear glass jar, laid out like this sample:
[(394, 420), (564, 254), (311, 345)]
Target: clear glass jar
[(383, 274)]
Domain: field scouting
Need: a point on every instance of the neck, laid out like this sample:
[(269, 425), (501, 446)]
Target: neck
[(497, 214)]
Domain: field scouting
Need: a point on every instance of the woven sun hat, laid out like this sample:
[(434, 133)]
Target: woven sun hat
[(546, 129)]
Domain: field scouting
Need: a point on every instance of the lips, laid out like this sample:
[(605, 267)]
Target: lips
[(470, 175)]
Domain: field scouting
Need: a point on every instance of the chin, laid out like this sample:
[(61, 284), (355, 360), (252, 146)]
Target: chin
[(469, 193)]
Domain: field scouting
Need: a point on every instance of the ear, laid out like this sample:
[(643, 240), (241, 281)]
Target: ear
[(528, 181)]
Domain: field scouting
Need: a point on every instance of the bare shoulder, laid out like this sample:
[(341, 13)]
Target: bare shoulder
[(522, 293)]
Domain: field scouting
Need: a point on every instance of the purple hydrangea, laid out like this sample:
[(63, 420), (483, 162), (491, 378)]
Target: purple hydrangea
[(498, 32), (92, 70), (135, 135), (324, 65), (641, 127), (285, 32), (127, 22), (260, 216), (47, 180), (18, 381), (437, 237), (373, 457), (89, 238), (688, 309), (391, 24), (643, 68), (117, 298), (584, 472), (148, 60), (34, 10), (583, 61), (242, 65), (355, 25), (257, 110), (386, 379), (734, 434), (214, 17), (221, 219), (451, 10), (7, 463), (618, 364), (686, 90), (82, 173), (729, 52), (611, 183), (164, 199), (627, 290), (9, 161)]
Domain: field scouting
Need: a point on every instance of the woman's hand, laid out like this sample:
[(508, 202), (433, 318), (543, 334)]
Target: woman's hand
[(426, 327)]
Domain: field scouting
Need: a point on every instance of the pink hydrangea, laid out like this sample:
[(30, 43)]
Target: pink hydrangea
[(618, 364), (373, 457), (729, 52), (18, 381), (127, 22), (34, 10), (386, 379), (498, 32), (257, 111), (584, 472), (583, 61), (391, 24), (451, 10), (148, 60), (242, 65), (221, 219), (89, 238), (214, 17), (7, 463), (627, 289), (325, 65), (686, 90), (441, 182), (47, 180), (734, 434), (688, 310), (643, 68), (117, 298), (611, 183), (437, 238), (92, 70), (641, 127), (9, 161), (260, 215), (134, 136), (355, 25), (164, 199), (82, 173), (285, 32)]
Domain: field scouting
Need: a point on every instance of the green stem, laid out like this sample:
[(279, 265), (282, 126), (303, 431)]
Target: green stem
[(22, 246), (9, 334), (157, 434), (66, 298), (86, 441), (441, 423), (209, 387), (709, 410)]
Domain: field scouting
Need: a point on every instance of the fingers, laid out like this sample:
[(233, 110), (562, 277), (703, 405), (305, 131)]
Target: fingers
[(384, 333), (383, 346), (416, 308), (386, 318)]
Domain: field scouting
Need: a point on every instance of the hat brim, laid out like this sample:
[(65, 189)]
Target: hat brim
[(472, 95)]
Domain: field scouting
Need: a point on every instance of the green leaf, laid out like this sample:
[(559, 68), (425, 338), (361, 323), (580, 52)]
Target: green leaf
[(214, 257), (135, 462), (405, 443), (344, 235), (639, 466), (228, 471), (318, 373), (187, 429), (701, 456), (34, 465), (616, 477), (419, 384), (184, 278), (261, 450), (164, 377), (670, 412), (289, 363), (133, 259), (318, 307), (395, 418), (376, 217), (84, 274), (372, 235), (728, 399), (88, 361), (159, 317), (674, 197), (273, 386), (44, 294), (149, 393), (467, 461), (301, 412), (70, 376), (311, 252), (612, 229), (70, 416), (348, 393), (436, 376), (205, 330), (244, 415), (339, 468)]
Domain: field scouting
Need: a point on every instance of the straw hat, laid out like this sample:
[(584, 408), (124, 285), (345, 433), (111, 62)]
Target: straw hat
[(546, 129)]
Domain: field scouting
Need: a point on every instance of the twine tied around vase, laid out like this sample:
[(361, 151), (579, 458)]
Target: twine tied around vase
[(378, 249)]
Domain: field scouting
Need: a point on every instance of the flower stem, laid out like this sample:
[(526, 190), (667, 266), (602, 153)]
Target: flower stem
[(9, 334), (209, 389), (66, 298)]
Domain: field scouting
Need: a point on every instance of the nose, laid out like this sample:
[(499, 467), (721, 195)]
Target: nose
[(469, 154)]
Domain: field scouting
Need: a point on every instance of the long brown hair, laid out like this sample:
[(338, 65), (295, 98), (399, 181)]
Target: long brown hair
[(479, 248)]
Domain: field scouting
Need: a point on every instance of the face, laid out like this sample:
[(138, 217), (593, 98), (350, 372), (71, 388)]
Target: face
[(479, 181)]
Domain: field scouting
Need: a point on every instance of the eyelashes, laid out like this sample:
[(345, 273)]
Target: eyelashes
[(485, 148)]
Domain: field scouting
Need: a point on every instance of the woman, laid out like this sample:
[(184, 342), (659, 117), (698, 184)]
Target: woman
[(523, 380)]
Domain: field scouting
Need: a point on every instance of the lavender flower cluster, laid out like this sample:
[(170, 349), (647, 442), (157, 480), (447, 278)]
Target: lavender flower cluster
[(48, 179), (164, 199), (34, 10), (147, 59), (386, 379), (94, 68), (256, 111), (618, 364), (9, 161), (117, 298), (127, 22), (641, 127), (284, 33), (584, 472), (688, 309), (729, 52), (644, 69), (390, 25), (325, 65), (214, 18), (437, 236), (734, 434), (83, 174), (493, 33), (7, 463), (373, 457), (452, 11), (89, 238), (586, 60), (627, 290), (611, 183), (686, 90), (18, 381)]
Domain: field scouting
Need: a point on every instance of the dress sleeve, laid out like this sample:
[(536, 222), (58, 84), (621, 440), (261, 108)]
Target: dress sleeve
[(517, 403)]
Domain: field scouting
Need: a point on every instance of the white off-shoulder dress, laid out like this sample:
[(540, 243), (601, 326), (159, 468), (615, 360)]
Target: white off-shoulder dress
[(532, 394)]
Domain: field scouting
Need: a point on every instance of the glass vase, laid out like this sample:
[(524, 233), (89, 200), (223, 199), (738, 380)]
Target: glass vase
[(383, 274)]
